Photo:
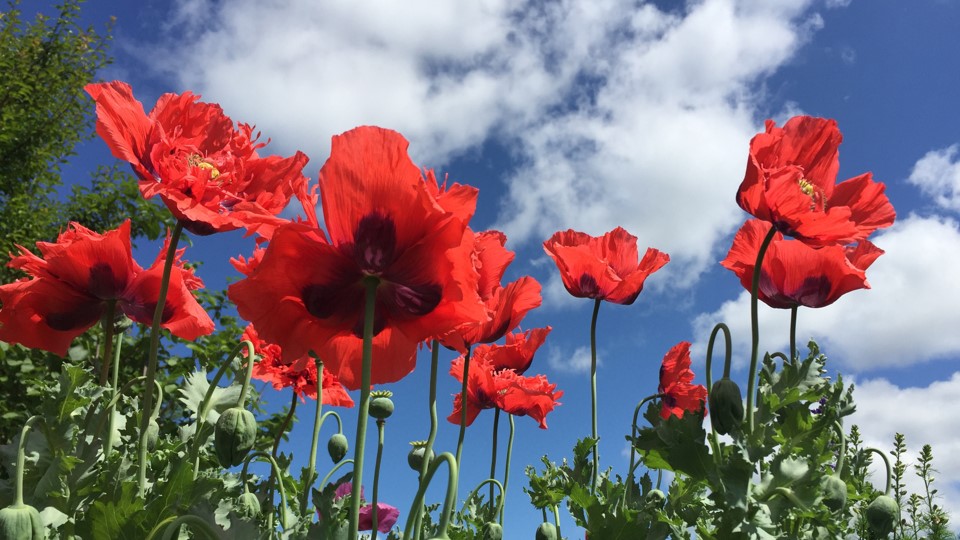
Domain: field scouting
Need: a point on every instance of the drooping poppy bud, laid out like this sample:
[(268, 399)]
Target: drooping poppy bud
[(234, 436), (248, 506), (547, 531), (21, 522), (337, 447), (726, 406), (153, 434), (882, 515), (834, 492), (492, 531)]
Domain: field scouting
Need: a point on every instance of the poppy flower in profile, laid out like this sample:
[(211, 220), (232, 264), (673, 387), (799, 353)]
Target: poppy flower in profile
[(307, 292), (489, 387), (678, 394), (75, 279), (301, 375), (791, 182), (517, 353), (505, 306), (206, 170), (386, 515), (794, 274), (603, 268)]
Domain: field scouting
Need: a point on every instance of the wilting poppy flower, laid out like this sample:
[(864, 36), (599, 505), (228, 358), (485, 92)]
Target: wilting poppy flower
[(505, 306), (188, 152), (300, 375), (794, 274), (386, 515), (74, 280), (679, 396), (489, 387), (791, 182), (307, 292), (604, 268)]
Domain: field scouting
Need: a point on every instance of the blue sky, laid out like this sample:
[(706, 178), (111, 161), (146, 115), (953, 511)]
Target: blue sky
[(593, 114)]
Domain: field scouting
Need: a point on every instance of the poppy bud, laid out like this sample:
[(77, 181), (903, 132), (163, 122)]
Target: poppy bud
[(337, 447), (726, 406), (248, 506), (882, 514), (546, 531), (416, 455), (655, 497), (491, 531), (153, 434), (21, 522), (834, 492), (234, 436), (381, 406)]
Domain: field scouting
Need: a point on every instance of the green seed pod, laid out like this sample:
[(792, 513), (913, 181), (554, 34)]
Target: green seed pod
[(834, 492), (491, 531), (381, 407), (726, 406), (416, 455), (153, 434), (21, 522), (248, 506), (655, 497), (234, 436), (546, 531), (337, 447), (882, 515)]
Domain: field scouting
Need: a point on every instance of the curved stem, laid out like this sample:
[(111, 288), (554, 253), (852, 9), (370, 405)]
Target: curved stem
[(886, 462), (755, 326), (843, 447), (21, 457), (108, 441), (448, 502), (274, 470), (463, 404), (370, 284), (506, 469), (376, 477), (593, 396), (248, 374), (151, 373), (317, 423), (432, 406), (335, 468), (793, 332), (728, 356), (195, 522), (493, 483), (493, 452), (633, 434)]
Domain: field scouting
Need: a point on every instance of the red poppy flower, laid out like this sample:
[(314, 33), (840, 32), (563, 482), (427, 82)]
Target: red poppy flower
[(679, 396), (794, 274), (307, 293), (517, 354), (603, 268), (300, 375), (505, 306), (791, 182), (188, 152), (489, 387), (75, 279)]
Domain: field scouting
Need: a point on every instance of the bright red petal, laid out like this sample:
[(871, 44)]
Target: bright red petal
[(45, 314)]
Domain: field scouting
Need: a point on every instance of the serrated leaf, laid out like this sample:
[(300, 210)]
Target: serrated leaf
[(192, 392)]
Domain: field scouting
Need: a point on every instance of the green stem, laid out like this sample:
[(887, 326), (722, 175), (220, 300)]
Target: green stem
[(195, 522), (493, 453), (108, 441), (448, 502), (556, 516), (728, 350), (886, 462), (151, 373), (463, 404), (506, 468), (432, 406), (21, 457), (793, 332), (274, 470), (317, 423), (276, 444), (370, 284), (593, 397), (843, 447), (633, 435), (376, 477), (107, 323), (493, 483), (755, 326), (334, 469)]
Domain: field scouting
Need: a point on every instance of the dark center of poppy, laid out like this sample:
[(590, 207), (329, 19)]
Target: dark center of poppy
[(415, 300), (588, 286), (103, 283), (321, 300), (375, 241), (813, 291), (83, 317)]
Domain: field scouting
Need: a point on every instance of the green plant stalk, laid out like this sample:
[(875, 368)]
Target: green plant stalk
[(843, 447), (276, 445), (448, 502), (793, 332), (376, 476), (317, 423), (886, 462), (205, 404), (728, 350), (273, 471), (432, 407), (633, 434), (151, 373), (556, 515), (108, 442), (21, 458), (195, 522), (755, 326), (107, 323), (493, 482), (593, 398), (463, 404), (334, 469), (370, 284), (493, 453), (506, 469)]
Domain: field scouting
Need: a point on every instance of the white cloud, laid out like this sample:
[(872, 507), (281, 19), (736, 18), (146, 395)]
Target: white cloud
[(576, 362), (833, 4), (909, 316), (938, 175), (621, 115)]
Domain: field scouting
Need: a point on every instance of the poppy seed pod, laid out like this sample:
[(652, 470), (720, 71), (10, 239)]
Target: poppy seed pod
[(546, 531), (21, 522), (834, 492), (234, 436), (492, 531), (337, 447), (416, 455), (248, 506), (381, 407), (726, 406), (882, 515)]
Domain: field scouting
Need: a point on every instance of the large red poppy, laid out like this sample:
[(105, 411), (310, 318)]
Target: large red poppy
[(301, 375), (791, 182), (307, 293), (490, 387), (794, 274), (188, 152), (75, 278), (505, 306), (517, 353), (678, 395), (604, 268)]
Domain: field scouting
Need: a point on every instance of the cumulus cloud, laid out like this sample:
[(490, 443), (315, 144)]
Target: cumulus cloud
[(937, 174), (908, 317), (576, 362)]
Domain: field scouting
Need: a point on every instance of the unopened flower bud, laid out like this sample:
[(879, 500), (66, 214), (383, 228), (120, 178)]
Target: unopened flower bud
[(726, 406), (234, 436), (546, 531), (337, 447), (21, 522), (834, 492), (248, 506), (153, 434), (491, 531), (882, 515)]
